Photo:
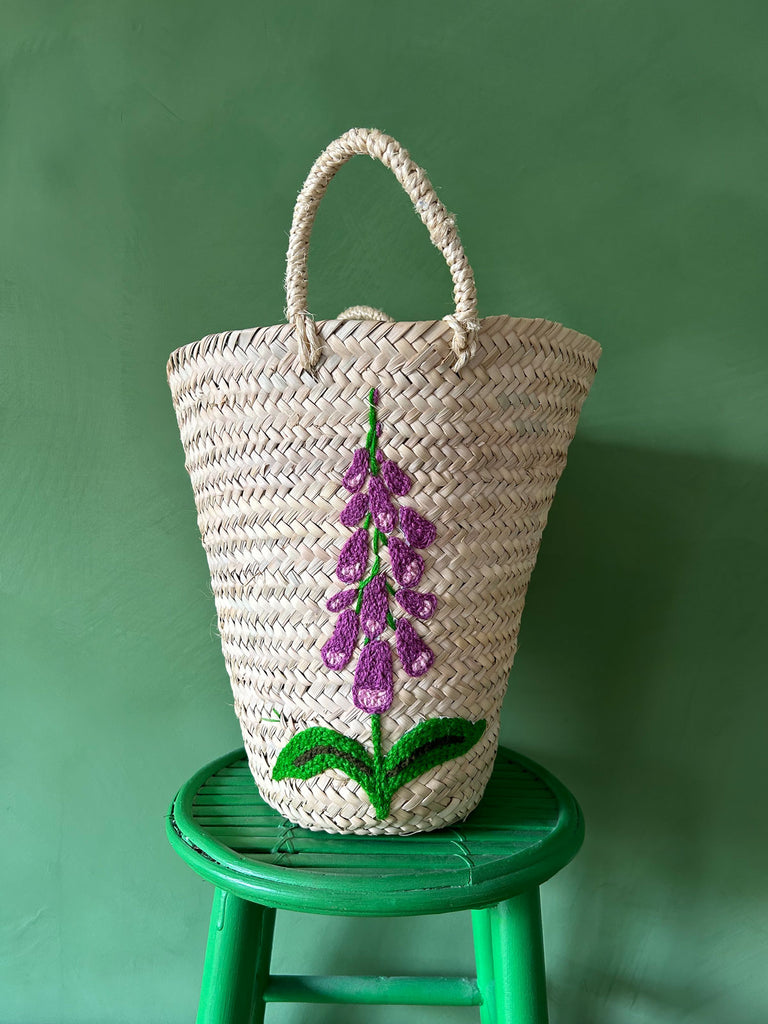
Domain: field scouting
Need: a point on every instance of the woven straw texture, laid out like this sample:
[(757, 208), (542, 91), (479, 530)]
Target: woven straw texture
[(266, 444)]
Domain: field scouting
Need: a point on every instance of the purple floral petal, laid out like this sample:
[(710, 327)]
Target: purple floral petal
[(407, 564), (384, 514), (422, 606), (337, 651), (414, 654), (355, 476), (354, 511), (353, 558), (374, 606), (372, 689), (342, 599), (419, 532), (397, 481)]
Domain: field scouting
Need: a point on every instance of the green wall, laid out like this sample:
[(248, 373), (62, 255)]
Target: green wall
[(607, 161)]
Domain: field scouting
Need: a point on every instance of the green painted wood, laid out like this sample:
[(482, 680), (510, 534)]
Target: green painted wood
[(237, 959), (518, 960), (372, 990), (527, 827), (481, 933)]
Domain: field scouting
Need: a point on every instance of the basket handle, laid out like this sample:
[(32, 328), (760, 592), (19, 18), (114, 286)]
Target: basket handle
[(441, 226)]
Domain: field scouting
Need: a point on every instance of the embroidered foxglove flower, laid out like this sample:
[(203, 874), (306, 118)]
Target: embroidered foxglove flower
[(356, 475), (383, 512), (354, 511), (353, 558), (419, 532), (342, 599), (338, 649), (365, 606), (415, 657), (422, 606), (372, 690), (407, 564), (374, 606), (398, 482)]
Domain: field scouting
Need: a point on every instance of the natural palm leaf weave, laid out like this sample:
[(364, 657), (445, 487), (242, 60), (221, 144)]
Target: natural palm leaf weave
[(478, 415)]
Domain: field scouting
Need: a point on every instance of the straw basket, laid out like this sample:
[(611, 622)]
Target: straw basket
[(371, 495)]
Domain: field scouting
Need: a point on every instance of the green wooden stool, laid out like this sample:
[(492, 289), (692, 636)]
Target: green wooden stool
[(527, 827)]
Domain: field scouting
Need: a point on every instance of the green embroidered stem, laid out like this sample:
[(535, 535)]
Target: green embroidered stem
[(370, 442), (377, 539), (383, 799)]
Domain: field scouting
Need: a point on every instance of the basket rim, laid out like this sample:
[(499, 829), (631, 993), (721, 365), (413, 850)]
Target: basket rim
[(203, 346)]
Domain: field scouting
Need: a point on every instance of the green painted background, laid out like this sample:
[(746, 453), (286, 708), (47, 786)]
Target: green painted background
[(607, 161)]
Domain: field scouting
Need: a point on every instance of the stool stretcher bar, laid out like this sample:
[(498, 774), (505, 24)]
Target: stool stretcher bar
[(372, 990)]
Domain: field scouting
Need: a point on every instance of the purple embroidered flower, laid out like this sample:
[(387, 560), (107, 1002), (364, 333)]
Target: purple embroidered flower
[(419, 532), (372, 513), (342, 599), (354, 511), (407, 564), (355, 476), (415, 656), (374, 606), (337, 651), (421, 605), (398, 482), (353, 558), (372, 689), (383, 512)]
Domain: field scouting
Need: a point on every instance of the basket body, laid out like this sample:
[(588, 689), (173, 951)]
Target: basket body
[(266, 447)]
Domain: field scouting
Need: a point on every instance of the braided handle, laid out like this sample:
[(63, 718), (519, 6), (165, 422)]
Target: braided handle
[(441, 226)]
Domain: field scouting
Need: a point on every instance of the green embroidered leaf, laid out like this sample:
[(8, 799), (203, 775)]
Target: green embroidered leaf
[(317, 749), (428, 744)]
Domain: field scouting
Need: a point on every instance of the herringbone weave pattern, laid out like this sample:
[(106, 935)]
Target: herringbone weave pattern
[(266, 445), (480, 414)]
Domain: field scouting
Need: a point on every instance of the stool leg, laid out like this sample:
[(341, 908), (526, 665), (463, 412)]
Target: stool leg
[(481, 932), (518, 960), (237, 960)]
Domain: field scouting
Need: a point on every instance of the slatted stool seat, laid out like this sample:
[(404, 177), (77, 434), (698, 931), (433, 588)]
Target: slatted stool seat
[(527, 827)]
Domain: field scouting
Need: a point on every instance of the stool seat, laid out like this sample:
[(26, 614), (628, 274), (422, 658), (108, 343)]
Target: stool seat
[(526, 828)]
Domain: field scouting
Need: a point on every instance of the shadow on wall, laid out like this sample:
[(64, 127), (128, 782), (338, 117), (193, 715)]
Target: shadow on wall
[(640, 680)]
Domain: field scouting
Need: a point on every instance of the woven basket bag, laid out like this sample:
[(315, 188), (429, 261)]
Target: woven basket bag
[(371, 496)]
